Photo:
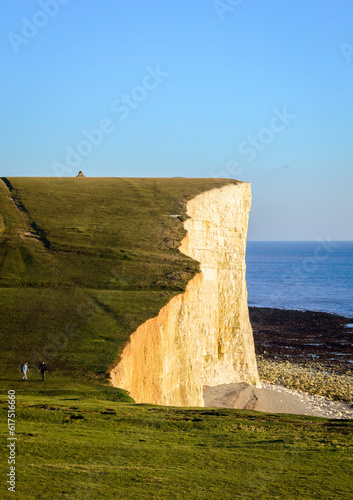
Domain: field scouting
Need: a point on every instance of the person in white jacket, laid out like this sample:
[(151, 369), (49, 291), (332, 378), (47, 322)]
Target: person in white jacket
[(24, 370)]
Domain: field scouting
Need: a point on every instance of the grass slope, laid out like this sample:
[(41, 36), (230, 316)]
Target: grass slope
[(79, 444), (82, 263)]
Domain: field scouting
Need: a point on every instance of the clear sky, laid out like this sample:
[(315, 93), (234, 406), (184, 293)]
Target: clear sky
[(256, 90)]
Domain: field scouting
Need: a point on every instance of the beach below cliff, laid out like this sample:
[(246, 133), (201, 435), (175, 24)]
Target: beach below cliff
[(305, 362), (274, 398), (303, 336)]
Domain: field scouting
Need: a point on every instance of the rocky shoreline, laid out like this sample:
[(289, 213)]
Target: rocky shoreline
[(303, 336), (303, 350), (317, 406), (272, 398)]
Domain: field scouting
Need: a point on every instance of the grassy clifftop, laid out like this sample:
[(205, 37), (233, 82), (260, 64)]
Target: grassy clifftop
[(83, 262)]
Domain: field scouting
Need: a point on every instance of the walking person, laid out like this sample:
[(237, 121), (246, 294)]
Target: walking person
[(24, 370), (42, 369)]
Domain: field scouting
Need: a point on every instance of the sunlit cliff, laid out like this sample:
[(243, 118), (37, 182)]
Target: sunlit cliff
[(202, 337)]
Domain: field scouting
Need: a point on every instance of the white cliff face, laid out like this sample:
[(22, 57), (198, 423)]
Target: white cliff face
[(202, 337)]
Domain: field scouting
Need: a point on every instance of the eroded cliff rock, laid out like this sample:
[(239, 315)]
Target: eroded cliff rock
[(202, 337)]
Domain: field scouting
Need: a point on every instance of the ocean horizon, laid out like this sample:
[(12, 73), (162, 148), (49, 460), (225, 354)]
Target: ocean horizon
[(301, 275)]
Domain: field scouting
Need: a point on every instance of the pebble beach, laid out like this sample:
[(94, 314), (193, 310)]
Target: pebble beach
[(305, 365)]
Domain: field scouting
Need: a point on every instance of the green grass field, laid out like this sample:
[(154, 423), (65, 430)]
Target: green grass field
[(83, 262)]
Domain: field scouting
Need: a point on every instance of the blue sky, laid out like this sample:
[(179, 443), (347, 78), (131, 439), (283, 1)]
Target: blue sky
[(260, 91)]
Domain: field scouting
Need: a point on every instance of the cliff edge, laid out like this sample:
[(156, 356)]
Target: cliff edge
[(202, 337)]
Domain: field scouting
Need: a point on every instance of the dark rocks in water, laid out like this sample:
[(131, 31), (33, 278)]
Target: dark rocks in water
[(302, 336)]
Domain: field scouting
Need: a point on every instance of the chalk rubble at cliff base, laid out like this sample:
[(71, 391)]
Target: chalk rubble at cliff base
[(274, 399)]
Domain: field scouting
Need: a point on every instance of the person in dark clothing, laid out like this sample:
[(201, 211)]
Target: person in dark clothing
[(42, 369)]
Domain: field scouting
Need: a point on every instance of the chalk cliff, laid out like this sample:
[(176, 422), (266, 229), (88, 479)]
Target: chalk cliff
[(202, 337)]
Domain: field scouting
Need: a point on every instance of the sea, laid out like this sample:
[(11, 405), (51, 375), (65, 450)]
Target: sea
[(314, 276)]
